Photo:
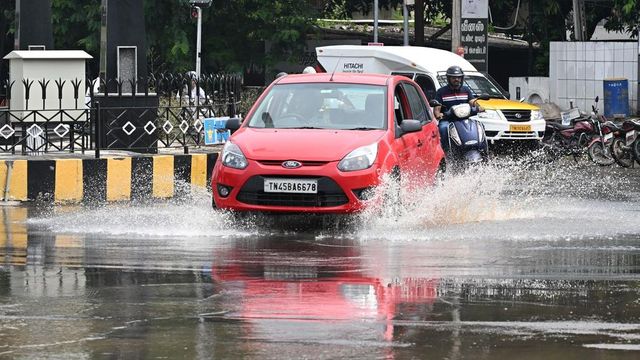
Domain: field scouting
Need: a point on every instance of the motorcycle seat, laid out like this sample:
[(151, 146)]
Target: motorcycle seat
[(635, 124), (559, 126)]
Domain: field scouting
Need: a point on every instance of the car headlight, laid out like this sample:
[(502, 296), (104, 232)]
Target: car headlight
[(359, 159), (489, 114), (233, 157), (536, 115)]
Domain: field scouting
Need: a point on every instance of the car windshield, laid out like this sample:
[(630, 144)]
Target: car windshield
[(479, 84), (322, 106)]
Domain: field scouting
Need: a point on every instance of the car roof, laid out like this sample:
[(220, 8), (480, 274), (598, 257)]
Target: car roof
[(368, 78)]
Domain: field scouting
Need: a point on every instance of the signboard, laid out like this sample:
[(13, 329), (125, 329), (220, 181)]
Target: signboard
[(473, 32), (569, 115), (214, 130)]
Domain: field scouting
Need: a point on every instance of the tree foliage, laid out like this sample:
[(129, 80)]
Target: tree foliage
[(234, 31)]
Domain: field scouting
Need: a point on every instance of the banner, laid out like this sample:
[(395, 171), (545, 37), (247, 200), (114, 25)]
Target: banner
[(473, 32)]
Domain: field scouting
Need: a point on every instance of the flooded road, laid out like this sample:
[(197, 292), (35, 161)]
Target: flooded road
[(501, 262)]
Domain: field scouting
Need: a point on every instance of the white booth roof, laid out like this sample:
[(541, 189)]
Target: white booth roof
[(48, 54)]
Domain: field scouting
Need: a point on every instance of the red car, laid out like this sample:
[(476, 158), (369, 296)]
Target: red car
[(321, 142)]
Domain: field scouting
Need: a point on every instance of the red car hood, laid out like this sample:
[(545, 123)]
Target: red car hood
[(301, 144)]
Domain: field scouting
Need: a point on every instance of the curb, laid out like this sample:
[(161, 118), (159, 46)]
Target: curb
[(106, 179)]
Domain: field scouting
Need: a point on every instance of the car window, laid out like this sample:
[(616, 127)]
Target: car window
[(418, 108), (401, 107), (322, 105)]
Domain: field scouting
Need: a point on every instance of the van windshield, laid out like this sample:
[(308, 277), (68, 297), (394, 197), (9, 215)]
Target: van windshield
[(479, 84)]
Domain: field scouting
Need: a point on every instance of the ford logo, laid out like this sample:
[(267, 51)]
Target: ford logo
[(291, 164), (518, 116)]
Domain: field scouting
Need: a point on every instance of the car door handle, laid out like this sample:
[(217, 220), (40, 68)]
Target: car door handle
[(419, 143)]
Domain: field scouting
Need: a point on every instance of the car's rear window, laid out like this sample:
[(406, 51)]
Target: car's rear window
[(322, 105)]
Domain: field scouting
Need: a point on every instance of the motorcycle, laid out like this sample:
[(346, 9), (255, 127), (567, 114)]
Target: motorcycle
[(599, 145), (585, 134), (467, 140), (624, 139)]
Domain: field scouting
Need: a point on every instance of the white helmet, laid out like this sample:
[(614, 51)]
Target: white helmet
[(192, 75), (309, 70)]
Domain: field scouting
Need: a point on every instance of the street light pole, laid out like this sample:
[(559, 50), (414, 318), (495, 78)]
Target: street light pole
[(198, 41)]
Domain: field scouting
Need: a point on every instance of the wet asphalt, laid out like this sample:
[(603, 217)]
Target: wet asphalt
[(518, 259)]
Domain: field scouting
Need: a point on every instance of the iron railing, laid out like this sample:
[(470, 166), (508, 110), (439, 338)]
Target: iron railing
[(164, 111)]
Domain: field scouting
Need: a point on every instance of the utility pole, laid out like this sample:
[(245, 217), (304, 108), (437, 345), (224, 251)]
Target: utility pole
[(456, 13), (375, 21), (578, 20), (405, 13)]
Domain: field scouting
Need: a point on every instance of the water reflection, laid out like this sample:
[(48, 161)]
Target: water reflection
[(333, 296)]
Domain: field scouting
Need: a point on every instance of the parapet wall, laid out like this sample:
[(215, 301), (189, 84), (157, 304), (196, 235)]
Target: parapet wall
[(106, 179)]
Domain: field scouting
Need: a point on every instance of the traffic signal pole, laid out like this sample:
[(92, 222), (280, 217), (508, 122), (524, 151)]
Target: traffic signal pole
[(198, 41)]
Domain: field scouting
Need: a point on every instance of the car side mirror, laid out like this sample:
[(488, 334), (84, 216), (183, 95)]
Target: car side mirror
[(410, 125), (597, 98), (434, 103), (233, 124), (484, 97)]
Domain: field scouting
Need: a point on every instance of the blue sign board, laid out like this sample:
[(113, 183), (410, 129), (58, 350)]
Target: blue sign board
[(214, 130)]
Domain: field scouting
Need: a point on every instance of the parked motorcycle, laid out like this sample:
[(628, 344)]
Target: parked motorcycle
[(599, 145), (467, 140), (624, 139), (586, 134), (567, 140)]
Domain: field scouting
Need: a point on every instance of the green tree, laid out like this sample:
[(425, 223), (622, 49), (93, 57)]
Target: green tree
[(625, 16)]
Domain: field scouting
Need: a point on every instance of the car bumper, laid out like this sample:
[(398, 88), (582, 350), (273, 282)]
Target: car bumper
[(506, 130), (337, 191)]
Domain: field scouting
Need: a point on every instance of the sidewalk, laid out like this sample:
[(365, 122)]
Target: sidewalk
[(116, 176)]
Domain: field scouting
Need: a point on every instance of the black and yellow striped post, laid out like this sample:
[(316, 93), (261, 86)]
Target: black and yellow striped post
[(106, 179)]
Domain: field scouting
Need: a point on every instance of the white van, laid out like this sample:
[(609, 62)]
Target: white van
[(503, 119)]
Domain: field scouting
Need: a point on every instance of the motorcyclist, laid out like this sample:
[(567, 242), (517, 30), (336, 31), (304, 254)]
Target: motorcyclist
[(454, 93)]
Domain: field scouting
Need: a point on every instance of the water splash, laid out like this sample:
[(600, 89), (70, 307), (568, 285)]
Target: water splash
[(511, 198), (186, 215)]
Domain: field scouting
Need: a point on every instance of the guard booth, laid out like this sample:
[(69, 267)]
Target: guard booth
[(45, 97), (29, 70)]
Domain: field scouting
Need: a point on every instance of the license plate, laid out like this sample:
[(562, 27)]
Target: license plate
[(608, 137), (520, 128), (630, 137), (291, 186)]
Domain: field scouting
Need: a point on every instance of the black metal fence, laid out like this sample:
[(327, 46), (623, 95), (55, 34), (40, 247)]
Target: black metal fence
[(143, 115)]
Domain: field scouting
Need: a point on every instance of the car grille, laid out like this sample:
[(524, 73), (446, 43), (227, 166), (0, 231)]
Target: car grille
[(279, 163), (329, 194), (517, 115)]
